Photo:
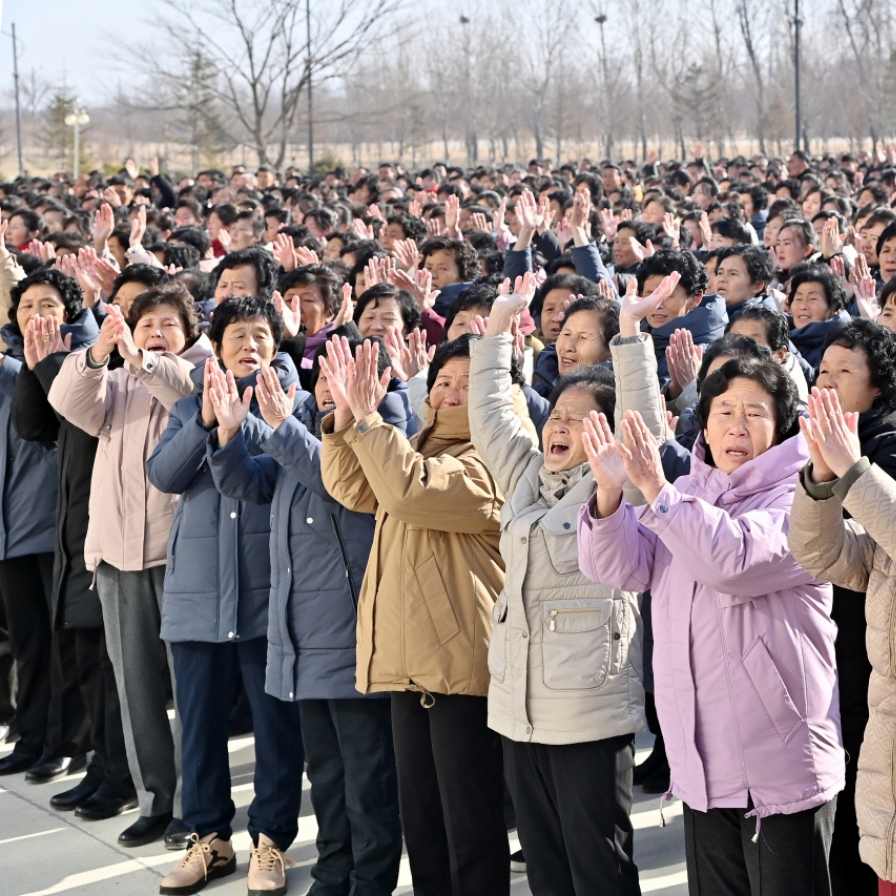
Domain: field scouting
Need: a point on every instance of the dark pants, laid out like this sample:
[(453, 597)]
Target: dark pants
[(50, 718), (204, 679), (451, 792), (108, 766), (789, 859), (7, 672), (354, 791), (573, 812)]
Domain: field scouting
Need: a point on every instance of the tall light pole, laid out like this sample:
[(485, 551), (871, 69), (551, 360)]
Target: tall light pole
[(797, 23), (15, 77), (310, 102), (75, 119), (601, 20)]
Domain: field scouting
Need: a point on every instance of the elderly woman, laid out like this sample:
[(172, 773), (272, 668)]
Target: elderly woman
[(424, 613), (856, 555), (816, 302), (743, 641), (565, 654)]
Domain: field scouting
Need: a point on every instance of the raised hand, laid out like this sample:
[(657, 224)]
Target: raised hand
[(225, 239), (480, 222), (526, 212), (306, 256), (345, 309), (832, 436), (415, 206), (138, 227), (642, 460), (526, 286), (4, 249), (406, 255), (374, 211), (672, 229), (579, 219), (112, 197), (275, 404), (545, 215), (291, 314), (634, 309), (452, 216), (210, 376), (366, 390), (125, 339), (606, 290), (103, 225), (684, 359), (830, 240), (398, 352), (42, 339), (230, 409), (420, 287), (705, 229), (608, 221), (283, 249), (339, 367), (131, 167), (108, 339), (866, 297), (606, 457), (363, 231), (506, 308)]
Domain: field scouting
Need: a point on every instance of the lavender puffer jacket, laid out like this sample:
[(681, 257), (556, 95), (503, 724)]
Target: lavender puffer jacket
[(746, 681)]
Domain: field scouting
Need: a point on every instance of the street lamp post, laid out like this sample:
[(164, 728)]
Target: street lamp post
[(75, 119), (797, 23)]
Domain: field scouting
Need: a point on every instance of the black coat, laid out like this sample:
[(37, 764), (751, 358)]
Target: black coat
[(75, 602)]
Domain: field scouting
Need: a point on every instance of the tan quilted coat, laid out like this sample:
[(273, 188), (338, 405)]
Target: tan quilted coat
[(859, 554)]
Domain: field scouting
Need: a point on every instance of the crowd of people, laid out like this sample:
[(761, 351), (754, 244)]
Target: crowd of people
[(445, 484)]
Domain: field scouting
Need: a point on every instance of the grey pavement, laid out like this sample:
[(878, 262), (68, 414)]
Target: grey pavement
[(43, 852)]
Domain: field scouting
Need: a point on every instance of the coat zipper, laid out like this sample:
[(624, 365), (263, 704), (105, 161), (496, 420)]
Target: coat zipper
[(890, 826), (556, 613), (348, 574)]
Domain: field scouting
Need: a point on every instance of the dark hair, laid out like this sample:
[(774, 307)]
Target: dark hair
[(414, 228), (147, 274), (758, 262), (261, 260), (226, 213), (777, 328), (464, 255), (731, 345), (477, 295), (834, 291), (606, 309), (887, 234), (256, 220), (410, 313), (770, 376), (879, 346), (576, 285), (171, 293), (193, 205), (731, 229), (599, 381), (238, 308), (181, 255), (694, 278), (67, 287), (318, 275), (888, 292), (196, 236), (641, 229), (33, 221), (456, 348), (805, 231)]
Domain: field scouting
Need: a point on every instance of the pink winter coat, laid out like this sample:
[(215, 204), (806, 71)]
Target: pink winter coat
[(746, 681)]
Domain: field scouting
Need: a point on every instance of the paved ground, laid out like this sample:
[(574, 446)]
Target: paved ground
[(43, 852)]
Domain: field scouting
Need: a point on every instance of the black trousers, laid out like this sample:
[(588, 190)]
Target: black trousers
[(50, 711), (7, 672), (204, 679), (108, 766), (573, 812), (789, 859), (451, 793), (354, 791)]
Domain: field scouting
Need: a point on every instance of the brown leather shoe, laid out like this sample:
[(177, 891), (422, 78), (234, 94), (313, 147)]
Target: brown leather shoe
[(205, 860), (267, 868)]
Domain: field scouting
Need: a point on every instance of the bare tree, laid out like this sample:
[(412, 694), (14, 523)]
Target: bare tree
[(748, 13)]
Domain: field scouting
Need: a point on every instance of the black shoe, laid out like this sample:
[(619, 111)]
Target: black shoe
[(656, 759), (145, 829), (71, 799), (50, 768), (177, 834), (17, 762), (518, 862), (105, 805), (658, 781)]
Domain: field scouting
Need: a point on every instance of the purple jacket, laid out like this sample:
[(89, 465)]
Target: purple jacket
[(746, 681)]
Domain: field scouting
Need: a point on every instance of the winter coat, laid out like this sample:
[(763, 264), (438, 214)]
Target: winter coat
[(765, 301), (319, 552), (565, 653), (588, 263), (858, 555), (28, 472), (74, 604), (706, 323), (127, 409), (810, 339), (218, 578), (424, 615), (744, 669)]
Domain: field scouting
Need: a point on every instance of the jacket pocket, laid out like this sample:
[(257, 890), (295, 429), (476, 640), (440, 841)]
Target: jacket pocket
[(559, 529), (576, 643), (497, 647), (435, 596), (771, 690)]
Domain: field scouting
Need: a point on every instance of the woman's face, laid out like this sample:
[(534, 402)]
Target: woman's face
[(581, 342), (733, 281), (552, 310), (888, 315), (161, 329), (848, 373), (653, 213), (378, 315), (443, 266), (562, 433), (809, 305), (125, 296), (40, 299), (756, 330), (812, 205), (772, 229), (712, 266), (311, 305), (322, 394), (461, 322), (887, 259), (246, 346), (335, 244), (741, 424), (676, 305), (452, 386)]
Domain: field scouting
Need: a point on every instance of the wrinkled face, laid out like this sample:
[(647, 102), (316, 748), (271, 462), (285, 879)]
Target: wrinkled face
[(733, 283), (888, 315), (246, 346), (887, 259), (452, 386), (869, 237), (17, 232), (790, 248), (552, 311), (378, 315), (161, 329), (239, 281), (184, 217), (809, 305), (43, 300), (562, 433), (741, 425), (443, 266), (581, 342), (623, 252), (461, 322), (322, 394), (242, 234), (848, 373), (125, 296), (312, 306), (677, 305)]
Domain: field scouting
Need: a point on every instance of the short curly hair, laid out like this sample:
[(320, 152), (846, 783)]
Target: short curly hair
[(833, 287), (466, 257), (238, 308), (67, 287), (879, 346), (694, 278), (260, 259), (172, 293)]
